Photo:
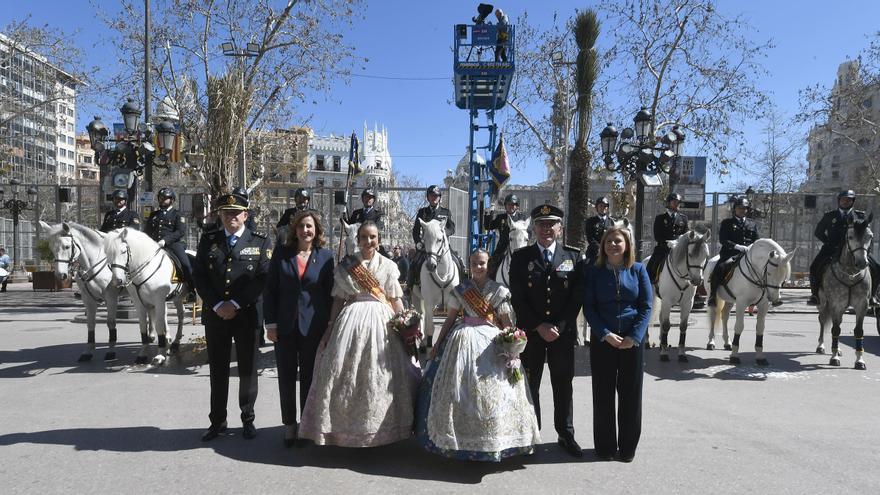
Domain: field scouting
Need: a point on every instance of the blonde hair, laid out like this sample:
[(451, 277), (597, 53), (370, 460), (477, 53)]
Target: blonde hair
[(319, 239), (629, 254)]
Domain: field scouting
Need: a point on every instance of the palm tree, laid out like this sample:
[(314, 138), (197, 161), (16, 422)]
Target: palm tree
[(586, 30)]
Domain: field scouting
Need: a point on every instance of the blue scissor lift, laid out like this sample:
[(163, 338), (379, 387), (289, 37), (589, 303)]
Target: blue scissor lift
[(481, 85)]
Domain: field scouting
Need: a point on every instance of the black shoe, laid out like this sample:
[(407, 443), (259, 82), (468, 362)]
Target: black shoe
[(602, 456), (711, 301), (813, 301), (625, 457), (213, 432), (248, 431), (430, 341), (290, 434), (571, 446)]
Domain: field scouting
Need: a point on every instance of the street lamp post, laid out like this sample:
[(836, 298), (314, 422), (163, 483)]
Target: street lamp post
[(16, 206), (640, 155), (251, 50)]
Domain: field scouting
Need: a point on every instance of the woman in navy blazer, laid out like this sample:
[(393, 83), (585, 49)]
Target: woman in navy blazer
[(617, 305), (296, 304)]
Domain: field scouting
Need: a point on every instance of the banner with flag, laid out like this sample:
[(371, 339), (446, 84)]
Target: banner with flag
[(500, 167), (354, 157)]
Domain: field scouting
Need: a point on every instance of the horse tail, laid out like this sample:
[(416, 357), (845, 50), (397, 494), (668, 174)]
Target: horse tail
[(715, 311)]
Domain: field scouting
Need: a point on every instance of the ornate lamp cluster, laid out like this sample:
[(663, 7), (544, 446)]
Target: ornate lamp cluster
[(640, 151)]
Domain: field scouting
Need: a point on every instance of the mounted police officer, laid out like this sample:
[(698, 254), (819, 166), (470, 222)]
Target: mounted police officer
[(546, 292), (434, 211), (121, 217), (831, 230), (667, 227), (596, 226), (736, 234), (501, 224), (368, 211), (167, 227), (301, 199), (231, 267)]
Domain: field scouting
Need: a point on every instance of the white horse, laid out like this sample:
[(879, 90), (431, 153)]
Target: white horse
[(755, 280), (349, 237), (145, 270), (847, 282), (79, 254), (681, 275), (439, 274), (518, 238)]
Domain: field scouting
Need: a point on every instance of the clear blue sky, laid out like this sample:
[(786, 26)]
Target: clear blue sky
[(413, 39)]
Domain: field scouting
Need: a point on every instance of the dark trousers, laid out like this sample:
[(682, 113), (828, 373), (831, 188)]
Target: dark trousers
[(559, 356), (719, 273), (818, 266), (294, 353), (220, 335), (656, 261), (179, 251), (622, 372)]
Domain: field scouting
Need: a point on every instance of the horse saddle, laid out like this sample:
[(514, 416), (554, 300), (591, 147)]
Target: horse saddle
[(177, 270), (727, 267)]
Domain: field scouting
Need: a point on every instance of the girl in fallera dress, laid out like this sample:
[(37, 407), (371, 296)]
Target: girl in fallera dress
[(468, 409), (364, 385)]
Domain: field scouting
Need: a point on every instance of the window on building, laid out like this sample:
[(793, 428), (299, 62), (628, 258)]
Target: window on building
[(835, 161), (835, 174), (819, 164), (319, 162), (379, 163), (319, 183), (337, 184), (864, 142), (87, 159), (337, 163)]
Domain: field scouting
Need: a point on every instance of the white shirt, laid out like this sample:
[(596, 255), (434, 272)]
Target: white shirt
[(552, 250)]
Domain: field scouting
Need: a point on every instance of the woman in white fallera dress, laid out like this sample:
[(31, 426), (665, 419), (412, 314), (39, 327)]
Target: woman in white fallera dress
[(363, 390), (467, 407)]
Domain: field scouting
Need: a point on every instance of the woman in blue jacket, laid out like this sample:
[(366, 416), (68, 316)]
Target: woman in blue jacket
[(296, 303), (617, 305)]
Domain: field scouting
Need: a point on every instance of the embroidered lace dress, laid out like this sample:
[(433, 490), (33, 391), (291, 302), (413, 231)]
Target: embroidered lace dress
[(467, 407), (364, 385)]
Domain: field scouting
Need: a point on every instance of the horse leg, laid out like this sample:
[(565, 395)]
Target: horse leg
[(737, 332), (859, 333), (181, 316), (665, 311), (160, 320), (684, 312), (835, 338), (111, 297), (725, 316), (91, 314), (759, 334), (145, 336), (823, 322), (713, 312)]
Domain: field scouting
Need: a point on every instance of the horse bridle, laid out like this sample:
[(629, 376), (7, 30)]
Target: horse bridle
[(763, 284), (687, 260), (130, 275)]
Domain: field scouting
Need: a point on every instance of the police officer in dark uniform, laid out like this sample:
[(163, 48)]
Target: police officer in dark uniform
[(301, 199), (596, 226), (546, 291), (230, 272), (667, 227), (831, 230), (121, 217), (167, 227), (501, 224), (369, 210), (434, 211), (735, 234)]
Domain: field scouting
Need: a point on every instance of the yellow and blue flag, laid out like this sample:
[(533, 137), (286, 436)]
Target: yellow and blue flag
[(354, 157), (500, 168)]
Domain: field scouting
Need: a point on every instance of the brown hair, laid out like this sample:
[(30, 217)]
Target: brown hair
[(319, 239), (629, 254)]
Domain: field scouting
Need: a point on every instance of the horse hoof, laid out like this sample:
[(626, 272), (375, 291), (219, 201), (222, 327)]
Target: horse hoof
[(861, 366), (664, 358), (158, 361), (140, 360), (735, 360), (710, 346), (110, 356), (175, 347), (682, 358), (728, 347), (84, 358), (820, 350), (762, 362), (834, 362), (152, 338)]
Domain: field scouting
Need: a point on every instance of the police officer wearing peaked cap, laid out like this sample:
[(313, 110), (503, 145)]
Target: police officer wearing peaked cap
[(595, 227), (122, 216), (230, 272), (433, 211), (668, 226), (501, 224), (301, 199), (368, 211), (546, 292), (167, 227), (735, 234)]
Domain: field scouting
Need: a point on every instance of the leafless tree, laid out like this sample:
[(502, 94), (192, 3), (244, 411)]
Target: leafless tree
[(298, 45)]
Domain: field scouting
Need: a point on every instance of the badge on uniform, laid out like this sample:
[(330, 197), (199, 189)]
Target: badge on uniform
[(565, 266), (250, 251), (182, 220), (269, 255), (531, 265)]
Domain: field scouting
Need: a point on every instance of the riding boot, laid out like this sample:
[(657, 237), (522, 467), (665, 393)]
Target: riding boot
[(713, 288)]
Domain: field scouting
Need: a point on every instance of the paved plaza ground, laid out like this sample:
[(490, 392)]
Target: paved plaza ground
[(796, 426)]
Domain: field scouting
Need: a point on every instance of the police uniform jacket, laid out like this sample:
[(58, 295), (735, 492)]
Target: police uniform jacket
[(499, 223), (361, 215), (831, 229), (427, 214), (669, 227), (546, 294), (595, 228), (166, 225), (237, 274), (735, 231), (289, 213), (115, 219)]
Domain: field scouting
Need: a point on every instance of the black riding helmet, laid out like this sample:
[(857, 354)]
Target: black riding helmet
[(240, 191), (167, 192), (849, 193), (433, 189), (602, 200), (369, 192), (742, 201), (120, 194), (301, 193), (510, 198), (674, 196)]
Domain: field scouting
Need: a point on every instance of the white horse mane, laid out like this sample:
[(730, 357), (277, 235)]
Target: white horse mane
[(140, 245)]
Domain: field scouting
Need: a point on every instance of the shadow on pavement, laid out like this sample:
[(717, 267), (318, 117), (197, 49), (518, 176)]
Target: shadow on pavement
[(401, 460), (780, 364)]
